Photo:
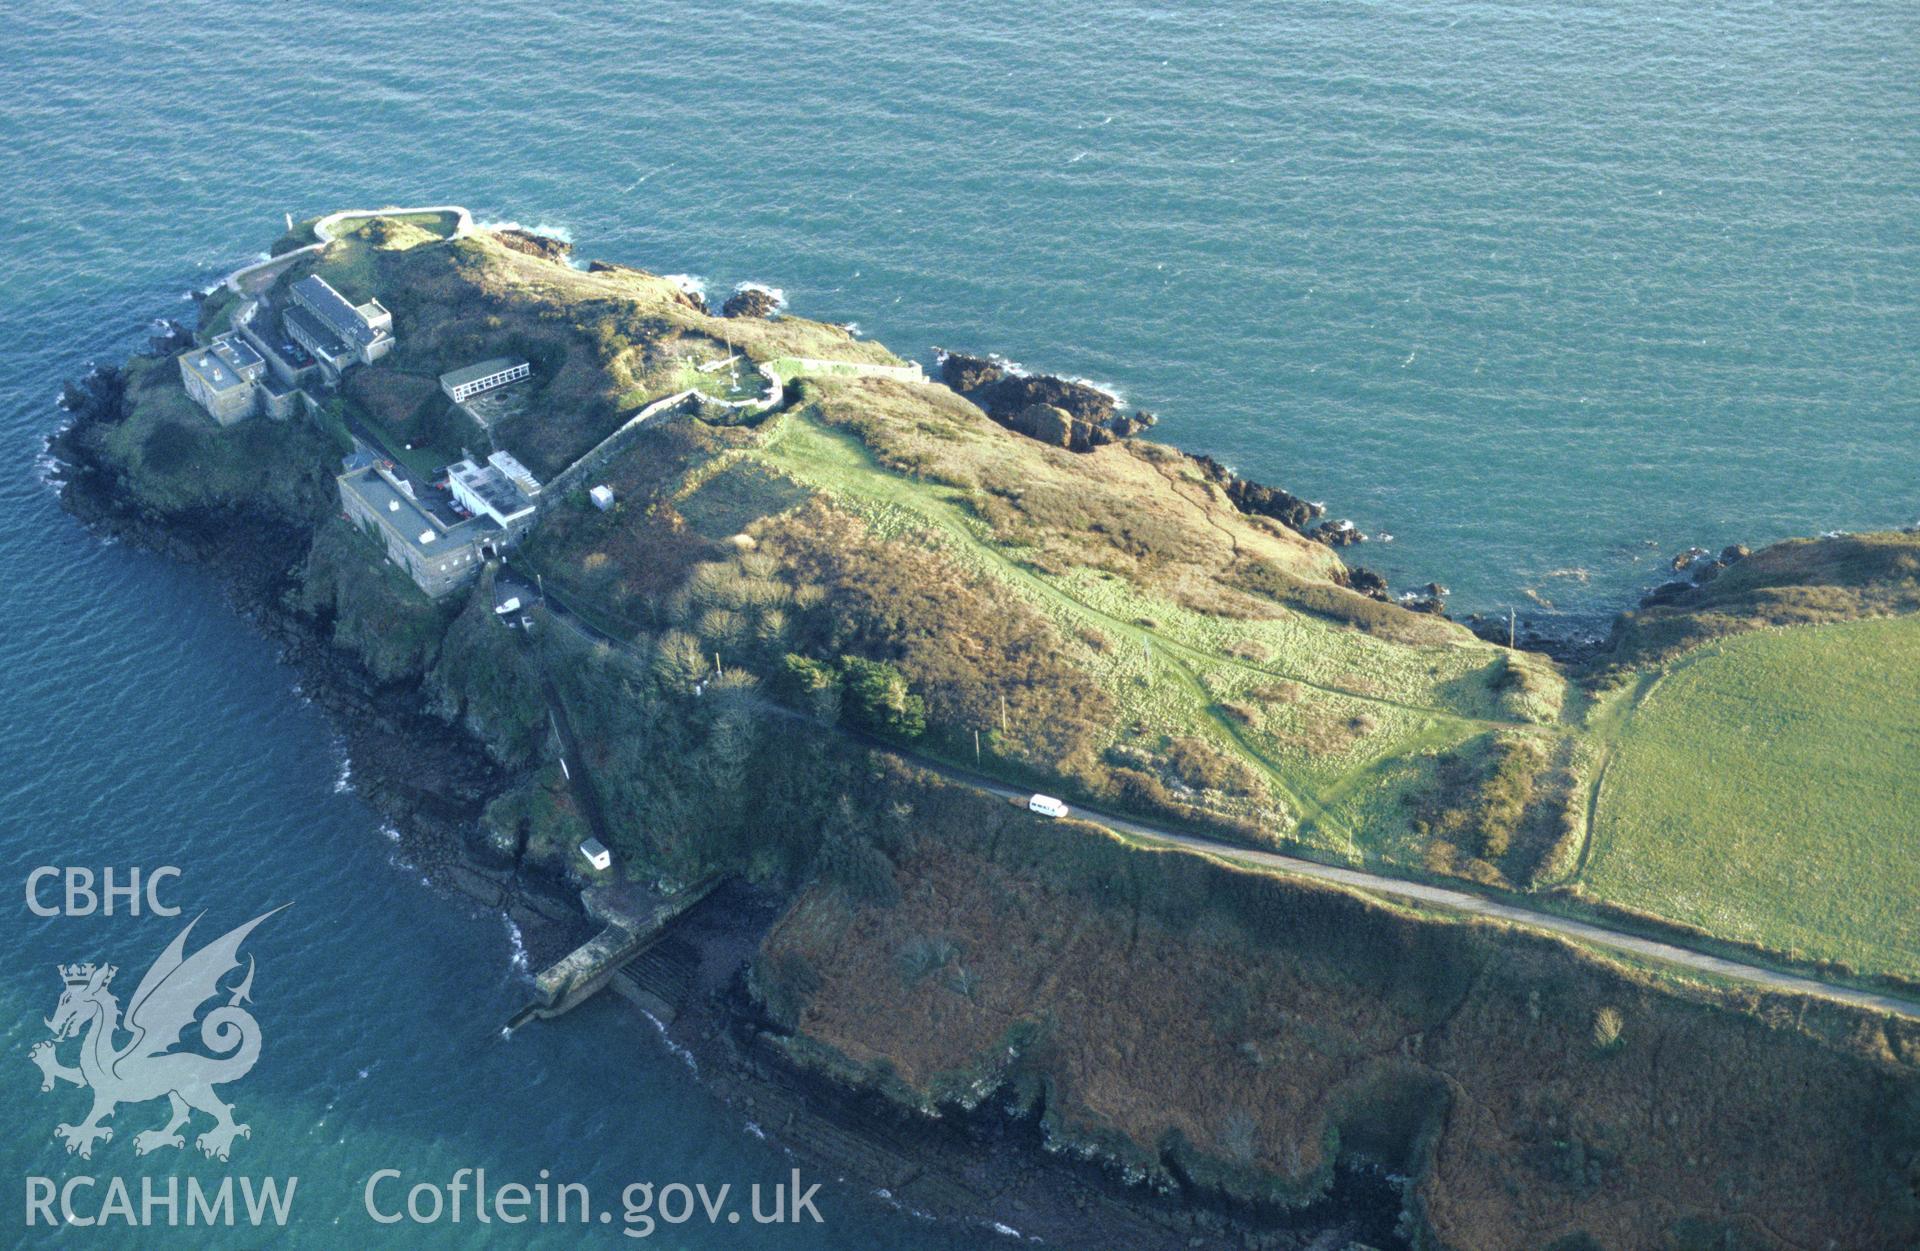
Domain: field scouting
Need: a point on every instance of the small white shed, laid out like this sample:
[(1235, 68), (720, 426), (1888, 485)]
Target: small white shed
[(602, 497), (597, 854)]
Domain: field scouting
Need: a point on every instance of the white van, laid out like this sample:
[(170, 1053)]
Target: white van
[(1046, 806)]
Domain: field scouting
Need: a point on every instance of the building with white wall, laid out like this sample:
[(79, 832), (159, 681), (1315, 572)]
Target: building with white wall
[(491, 490), (461, 385)]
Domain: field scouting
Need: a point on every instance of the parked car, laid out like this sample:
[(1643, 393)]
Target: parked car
[(509, 608)]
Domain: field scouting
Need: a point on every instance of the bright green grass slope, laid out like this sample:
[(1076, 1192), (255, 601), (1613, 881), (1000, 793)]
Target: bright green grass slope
[(1767, 788), (1178, 672)]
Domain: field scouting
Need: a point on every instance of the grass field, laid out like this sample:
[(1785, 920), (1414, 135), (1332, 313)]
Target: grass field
[(1314, 708), (1765, 789)]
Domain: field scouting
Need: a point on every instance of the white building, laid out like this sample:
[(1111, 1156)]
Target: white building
[(461, 385), (492, 490), (516, 473), (597, 854), (602, 497)]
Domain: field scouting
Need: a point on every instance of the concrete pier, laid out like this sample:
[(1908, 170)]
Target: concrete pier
[(633, 918)]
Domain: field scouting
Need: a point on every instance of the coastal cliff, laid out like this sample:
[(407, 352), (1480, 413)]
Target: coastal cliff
[(762, 648)]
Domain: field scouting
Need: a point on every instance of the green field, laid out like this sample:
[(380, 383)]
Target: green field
[(1765, 789), (1360, 702)]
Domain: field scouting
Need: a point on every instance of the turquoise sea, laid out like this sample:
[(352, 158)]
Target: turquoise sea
[(1547, 292)]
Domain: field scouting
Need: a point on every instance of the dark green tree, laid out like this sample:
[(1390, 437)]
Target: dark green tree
[(877, 698)]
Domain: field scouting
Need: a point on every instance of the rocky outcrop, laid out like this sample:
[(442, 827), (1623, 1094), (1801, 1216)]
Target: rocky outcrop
[(969, 375), (1665, 593), (1367, 582), (692, 299), (1057, 411), (1073, 415), (545, 247), (1837, 577), (1702, 566), (1570, 642), (1341, 533), (169, 339), (1431, 598), (1003, 391), (1047, 424), (99, 397), (1258, 499), (750, 302)]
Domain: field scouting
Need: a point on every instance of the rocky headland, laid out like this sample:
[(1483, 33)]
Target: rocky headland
[(987, 1016)]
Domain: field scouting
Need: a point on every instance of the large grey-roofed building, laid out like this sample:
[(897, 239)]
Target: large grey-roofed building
[(337, 332), (313, 334), (320, 299)]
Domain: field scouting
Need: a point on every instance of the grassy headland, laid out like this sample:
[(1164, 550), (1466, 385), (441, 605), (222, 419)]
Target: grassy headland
[(1109, 625)]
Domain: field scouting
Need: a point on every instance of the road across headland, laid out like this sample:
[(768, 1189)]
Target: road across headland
[(1459, 901)]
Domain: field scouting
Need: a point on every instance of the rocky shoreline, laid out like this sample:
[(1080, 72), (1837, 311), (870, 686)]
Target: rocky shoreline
[(977, 1167)]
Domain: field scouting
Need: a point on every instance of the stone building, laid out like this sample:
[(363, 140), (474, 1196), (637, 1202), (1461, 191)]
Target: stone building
[(224, 378), (440, 558)]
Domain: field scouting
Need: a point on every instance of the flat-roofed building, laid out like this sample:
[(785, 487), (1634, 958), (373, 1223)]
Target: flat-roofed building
[(516, 473), (488, 491), (461, 385), (440, 559), (224, 377), (338, 332)]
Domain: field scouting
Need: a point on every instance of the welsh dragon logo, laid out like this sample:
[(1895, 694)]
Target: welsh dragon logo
[(146, 1066)]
